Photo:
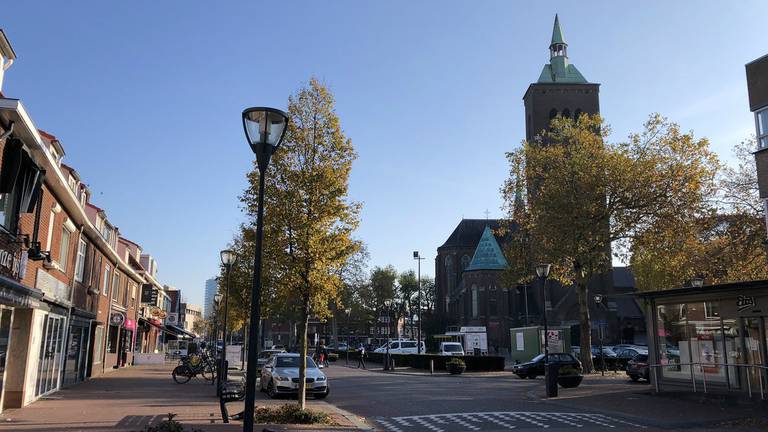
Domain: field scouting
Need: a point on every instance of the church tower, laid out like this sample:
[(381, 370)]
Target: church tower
[(560, 90)]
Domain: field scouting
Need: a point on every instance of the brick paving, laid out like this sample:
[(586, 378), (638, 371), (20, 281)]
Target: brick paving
[(131, 398)]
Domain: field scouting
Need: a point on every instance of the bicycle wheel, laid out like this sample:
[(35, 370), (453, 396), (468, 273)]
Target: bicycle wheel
[(209, 372), (182, 374)]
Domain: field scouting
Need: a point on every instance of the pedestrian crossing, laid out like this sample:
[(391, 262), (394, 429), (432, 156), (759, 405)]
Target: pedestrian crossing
[(504, 420)]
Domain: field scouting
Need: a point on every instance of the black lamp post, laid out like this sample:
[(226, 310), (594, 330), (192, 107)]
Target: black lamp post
[(599, 302), (388, 309), (228, 258), (542, 271), (216, 303), (418, 258), (264, 128), (348, 311)]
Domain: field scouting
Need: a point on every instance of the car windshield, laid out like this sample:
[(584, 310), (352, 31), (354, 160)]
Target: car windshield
[(293, 362), (452, 348), (538, 357)]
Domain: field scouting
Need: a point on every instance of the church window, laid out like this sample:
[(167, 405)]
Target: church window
[(474, 301), (492, 309), (566, 113), (464, 262), (552, 114)]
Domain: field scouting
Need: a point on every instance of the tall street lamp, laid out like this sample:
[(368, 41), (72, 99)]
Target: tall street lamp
[(599, 302), (387, 306), (228, 258), (264, 128), (348, 312), (418, 258), (550, 379), (216, 303)]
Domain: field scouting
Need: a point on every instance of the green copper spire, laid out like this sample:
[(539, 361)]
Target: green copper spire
[(488, 255), (559, 70), (557, 34)]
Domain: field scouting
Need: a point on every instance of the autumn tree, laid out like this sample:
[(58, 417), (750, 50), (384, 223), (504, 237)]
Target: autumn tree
[(574, 195), (724, 244), (309, 218)]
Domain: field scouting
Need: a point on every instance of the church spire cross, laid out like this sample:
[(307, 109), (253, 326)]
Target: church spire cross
[(487, 213)]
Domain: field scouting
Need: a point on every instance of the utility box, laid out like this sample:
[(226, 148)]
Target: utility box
[(528, 342)]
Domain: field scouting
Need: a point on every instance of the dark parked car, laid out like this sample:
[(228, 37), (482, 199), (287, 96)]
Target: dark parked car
[(535, 367), (638, 368)]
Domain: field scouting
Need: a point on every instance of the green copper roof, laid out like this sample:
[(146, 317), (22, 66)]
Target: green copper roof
[(564, 74), (488, 255), (557, 33)]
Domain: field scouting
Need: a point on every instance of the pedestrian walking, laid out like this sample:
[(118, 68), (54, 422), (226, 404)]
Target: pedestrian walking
[(361, 360), (325, 352)]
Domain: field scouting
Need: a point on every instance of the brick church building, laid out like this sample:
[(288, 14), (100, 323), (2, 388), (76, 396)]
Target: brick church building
[(470, 264)]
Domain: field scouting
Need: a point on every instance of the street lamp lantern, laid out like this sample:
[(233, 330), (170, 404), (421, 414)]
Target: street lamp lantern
[(217, 298), (387, 303), (264, 129), (598, 299), (697, 282), (228, 257), (542, 270)]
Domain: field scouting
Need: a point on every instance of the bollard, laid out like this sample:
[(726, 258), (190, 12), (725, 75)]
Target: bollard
[(431, 367)]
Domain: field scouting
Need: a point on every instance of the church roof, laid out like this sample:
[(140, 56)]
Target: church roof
[(488, 255), (568, 75), (468, 232)]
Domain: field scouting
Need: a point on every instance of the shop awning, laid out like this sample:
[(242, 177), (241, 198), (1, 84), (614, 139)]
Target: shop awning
[(176, 331), (12, 292)]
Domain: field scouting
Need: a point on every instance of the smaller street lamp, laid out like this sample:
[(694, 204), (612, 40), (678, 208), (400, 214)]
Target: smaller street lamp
[(550, 379), (216, 302), (228, 258), (388, 308), (348, 312), (418, 258), (697, 282), (599, 298)]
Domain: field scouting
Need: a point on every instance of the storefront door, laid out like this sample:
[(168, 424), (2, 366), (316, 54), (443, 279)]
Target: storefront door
[(5, 340), (755, 346), (74, 365), (51, 348)]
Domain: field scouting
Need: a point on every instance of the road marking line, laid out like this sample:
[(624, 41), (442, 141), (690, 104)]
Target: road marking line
[(427, 425), (523, 416), (492, 419), (559, 417), (437, 419), (401, 420), (389, 425), (588, 417), (619, 421), (456, 418)]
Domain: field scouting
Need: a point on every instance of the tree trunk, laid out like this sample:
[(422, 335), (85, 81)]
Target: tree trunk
[(302, 396), (585, 326)]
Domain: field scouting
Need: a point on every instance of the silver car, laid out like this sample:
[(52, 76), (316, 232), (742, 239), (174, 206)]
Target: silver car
[(264, 357), (280, 375)]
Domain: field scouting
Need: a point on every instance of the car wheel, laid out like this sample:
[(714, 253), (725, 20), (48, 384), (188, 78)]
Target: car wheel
[(521, 376), (532, 376), (271, 391), (634, 378)]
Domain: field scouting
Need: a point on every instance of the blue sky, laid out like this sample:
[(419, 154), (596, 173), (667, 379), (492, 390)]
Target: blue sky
[(146, 98)]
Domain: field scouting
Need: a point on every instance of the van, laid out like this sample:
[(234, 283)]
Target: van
[(450, 349), (401, 346)]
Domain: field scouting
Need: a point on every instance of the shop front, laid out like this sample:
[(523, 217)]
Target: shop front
[(710, 339), (77, 348)]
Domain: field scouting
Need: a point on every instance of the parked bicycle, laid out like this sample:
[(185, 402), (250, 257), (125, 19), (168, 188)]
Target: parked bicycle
[(192, 365)]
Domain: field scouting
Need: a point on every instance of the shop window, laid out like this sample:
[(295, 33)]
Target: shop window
[(112, 340), (673, 341)]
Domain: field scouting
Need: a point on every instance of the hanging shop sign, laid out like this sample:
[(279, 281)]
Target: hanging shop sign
[(116, 319), (173, 318), (163, 314), (13, 262), (155, 311), (148, 294)]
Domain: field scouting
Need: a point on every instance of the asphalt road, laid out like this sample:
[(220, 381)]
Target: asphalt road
[(408, 403)]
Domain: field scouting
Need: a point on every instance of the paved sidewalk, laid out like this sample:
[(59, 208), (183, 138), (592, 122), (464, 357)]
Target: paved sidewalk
[(131, 398)]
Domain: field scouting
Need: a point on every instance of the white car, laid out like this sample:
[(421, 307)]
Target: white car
[(451, 349), (401, 346), (280, 375)]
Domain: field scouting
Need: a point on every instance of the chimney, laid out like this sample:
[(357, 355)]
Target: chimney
[(7, 56)]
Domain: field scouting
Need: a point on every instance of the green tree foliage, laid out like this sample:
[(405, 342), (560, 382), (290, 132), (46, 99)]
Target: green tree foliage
[(309, 218), (573, 195)]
